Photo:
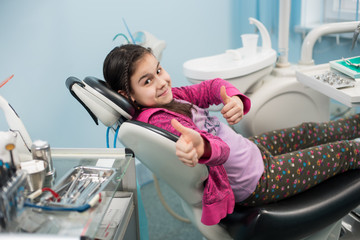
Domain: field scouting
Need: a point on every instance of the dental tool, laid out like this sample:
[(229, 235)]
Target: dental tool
[(127, 28), (80, 190), (10, 147), (73, 184), (23, 140), (83, 187), (347, 61), (6, 80), (94, 190), (355, 36)]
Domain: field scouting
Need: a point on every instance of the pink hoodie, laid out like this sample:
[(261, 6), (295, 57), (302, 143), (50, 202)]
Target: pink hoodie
[(218, 196)]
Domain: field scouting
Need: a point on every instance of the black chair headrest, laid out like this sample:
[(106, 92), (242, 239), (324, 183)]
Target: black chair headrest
[(116, 98), (100, 101)]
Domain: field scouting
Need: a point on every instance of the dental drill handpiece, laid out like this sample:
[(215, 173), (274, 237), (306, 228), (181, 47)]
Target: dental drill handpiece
[(355, 36), (24, 142)]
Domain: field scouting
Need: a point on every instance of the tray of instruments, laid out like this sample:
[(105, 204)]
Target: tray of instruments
[(78, 187)]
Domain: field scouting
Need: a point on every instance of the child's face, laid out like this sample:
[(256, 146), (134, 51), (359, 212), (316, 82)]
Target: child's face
[(150, 83)]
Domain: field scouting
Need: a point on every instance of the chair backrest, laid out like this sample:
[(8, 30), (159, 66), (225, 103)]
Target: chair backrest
[(158, 154), (153, 146)]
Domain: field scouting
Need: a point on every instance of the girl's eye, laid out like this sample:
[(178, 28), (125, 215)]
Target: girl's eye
[(147, 81), (158, 71)]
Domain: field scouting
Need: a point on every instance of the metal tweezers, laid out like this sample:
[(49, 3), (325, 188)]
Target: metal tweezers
[(347, 61)]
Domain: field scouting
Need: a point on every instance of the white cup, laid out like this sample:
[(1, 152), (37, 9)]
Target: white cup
[(249, 42), (36, 173)]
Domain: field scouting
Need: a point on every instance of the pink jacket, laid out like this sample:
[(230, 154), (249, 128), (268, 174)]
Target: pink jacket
[(218, 198)]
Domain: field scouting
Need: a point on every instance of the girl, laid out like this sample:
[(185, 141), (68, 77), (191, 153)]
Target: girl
[(254, 171)]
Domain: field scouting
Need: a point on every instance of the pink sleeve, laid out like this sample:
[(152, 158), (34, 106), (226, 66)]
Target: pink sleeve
[(207, 93), (219, 149)]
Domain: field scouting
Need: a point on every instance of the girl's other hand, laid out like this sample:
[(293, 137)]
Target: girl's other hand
[(233, 110), (190, 146)]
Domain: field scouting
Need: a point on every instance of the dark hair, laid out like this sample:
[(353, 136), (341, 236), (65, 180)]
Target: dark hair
[(119, 66)]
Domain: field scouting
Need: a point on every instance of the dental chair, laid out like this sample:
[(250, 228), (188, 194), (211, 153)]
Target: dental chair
[(323, 212)]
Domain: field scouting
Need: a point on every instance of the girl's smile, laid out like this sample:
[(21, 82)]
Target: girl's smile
[(164, 93), (150, 83)]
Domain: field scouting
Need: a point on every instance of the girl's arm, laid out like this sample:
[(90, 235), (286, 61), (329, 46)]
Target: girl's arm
[(207, 93), (211, 150)]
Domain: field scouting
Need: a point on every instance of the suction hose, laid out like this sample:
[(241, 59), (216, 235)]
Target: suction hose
[(163, 202)]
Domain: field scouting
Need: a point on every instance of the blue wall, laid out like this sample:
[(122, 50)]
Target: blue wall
[(45, 41), (267, 11)]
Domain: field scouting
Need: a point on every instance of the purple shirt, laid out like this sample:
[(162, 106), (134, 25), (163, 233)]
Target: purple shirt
[(244, 166)]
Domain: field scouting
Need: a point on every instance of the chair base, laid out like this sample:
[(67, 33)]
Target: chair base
[(351, 226)]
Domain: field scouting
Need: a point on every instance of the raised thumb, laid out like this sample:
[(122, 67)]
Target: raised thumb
[(224, 95), (178, 126)]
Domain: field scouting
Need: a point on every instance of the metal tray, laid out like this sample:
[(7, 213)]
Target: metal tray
[(78, 186)]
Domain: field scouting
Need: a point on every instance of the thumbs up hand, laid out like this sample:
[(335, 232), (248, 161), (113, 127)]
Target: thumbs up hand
[(190, 146), (233, 110)]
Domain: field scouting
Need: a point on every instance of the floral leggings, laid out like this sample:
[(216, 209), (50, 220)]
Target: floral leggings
[(298, 158)]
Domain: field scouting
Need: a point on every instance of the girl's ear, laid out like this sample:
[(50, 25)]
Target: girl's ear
[(123, 93)]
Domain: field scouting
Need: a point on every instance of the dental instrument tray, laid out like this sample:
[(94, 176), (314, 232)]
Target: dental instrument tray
[(335, 79), (348, 66), (80, 186)]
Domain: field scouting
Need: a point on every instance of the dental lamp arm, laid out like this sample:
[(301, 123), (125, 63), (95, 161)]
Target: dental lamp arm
[(23, 141), (313, 35)]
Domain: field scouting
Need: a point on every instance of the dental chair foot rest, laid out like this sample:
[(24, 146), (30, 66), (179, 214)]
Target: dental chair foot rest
[(299, 216)]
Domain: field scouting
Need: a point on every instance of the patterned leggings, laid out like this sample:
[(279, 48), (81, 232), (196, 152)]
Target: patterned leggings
[(298, 158)]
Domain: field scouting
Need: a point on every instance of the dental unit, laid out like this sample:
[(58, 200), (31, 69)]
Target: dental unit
[(270, 83), (324, 212), (315, 214), (269, 80), (273, 85), (318, 213)]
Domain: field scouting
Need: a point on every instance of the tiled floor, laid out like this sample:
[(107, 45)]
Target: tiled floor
[(162, 225)]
